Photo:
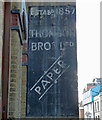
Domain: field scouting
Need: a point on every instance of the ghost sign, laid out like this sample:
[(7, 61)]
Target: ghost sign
[(52, 61)]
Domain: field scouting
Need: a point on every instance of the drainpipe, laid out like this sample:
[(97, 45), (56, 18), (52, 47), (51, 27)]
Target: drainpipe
[(5, 59)]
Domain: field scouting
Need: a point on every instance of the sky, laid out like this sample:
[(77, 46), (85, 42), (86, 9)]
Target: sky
[(88, 42)]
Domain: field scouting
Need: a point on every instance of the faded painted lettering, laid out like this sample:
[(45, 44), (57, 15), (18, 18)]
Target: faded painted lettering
[(52, 12), (41, 46), (43, 84)]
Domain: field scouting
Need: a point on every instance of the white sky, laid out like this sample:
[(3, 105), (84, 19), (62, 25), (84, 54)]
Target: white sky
[(88, 41)]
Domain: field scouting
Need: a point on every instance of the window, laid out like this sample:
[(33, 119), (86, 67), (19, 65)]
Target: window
[(88, 107), (101, 105), (98, 106), (95, 108), (98, 117)]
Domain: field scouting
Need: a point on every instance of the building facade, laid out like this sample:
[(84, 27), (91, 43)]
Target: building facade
[(92, 102), (18, 49), (98, 106), (13, 47), (88, 105), (14, 63)]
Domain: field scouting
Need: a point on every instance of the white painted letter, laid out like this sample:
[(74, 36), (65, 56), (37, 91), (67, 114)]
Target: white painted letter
[(40, 46), (71, 44), (47, 46), (34, 47), (61, 63), (37, 89), (50, 75), (44, 83), (56, 70), (62, 46)]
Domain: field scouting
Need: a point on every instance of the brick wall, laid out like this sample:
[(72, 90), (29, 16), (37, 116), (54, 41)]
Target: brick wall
[(15, 76), (1, 43), (18, 73), (23, 95), (17, 83)]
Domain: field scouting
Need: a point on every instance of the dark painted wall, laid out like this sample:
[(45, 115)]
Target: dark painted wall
[(52, 61)]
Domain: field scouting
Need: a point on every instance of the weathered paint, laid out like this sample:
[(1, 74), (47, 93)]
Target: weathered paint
[(52, 61)]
